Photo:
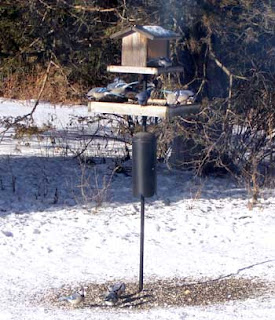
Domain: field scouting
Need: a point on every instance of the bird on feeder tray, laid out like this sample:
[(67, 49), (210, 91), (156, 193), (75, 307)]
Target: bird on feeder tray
[(121, 88), (97, 93), (160, 62), (165, 62), (179, 97), (76, 298), (102, 93), (117, 81), (116, 90), (143, 96)]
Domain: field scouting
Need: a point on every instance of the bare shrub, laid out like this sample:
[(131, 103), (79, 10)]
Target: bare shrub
[(93, 187)]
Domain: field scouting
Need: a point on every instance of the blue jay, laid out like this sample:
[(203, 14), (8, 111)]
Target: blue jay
[(101, 92), (118, 288), (121, 87), (97, 92), (143, 96), (160, 62), (111, 298), (179, 96), (116, 82), (164, 62), (116, 89), (76, 298), (114, 292)]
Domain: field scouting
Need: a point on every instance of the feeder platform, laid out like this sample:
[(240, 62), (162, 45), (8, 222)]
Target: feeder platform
[(143, 70), (150, 110)]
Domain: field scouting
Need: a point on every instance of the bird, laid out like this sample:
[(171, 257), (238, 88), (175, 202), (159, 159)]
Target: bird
[(179, 96), (114, 292), (164, 62), (143, 96), (118, 288), (100, 93), (97, 93), (160, 62), (121, 88), (111, 298), (76, 298), (114, 90), (116, 82)]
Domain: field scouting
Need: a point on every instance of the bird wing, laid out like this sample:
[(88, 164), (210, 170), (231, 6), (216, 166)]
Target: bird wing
[(111, 297), (115, 83), (131, 84), (96, 90), (188, 93)]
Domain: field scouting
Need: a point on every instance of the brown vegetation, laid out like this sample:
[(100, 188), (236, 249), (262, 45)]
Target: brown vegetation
[(56, 51)]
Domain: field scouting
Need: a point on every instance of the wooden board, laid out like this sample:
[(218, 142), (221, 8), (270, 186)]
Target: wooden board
[(134, 50), (137, 110), (143, 70)]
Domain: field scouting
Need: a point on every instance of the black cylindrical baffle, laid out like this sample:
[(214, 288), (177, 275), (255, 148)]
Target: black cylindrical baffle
[(144, 164), (144, 180)]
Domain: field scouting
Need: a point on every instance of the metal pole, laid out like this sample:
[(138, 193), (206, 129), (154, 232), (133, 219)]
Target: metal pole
[(141, 243), (144, 118)]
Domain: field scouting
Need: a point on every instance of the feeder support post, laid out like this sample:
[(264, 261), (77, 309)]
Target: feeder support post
[(144, 118), (142, 203)]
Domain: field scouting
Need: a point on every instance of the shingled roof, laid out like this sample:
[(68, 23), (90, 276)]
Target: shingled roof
[(150, 32)]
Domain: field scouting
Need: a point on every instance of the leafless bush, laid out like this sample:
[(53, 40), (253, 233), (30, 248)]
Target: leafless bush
[(94, 187), (239, 139)]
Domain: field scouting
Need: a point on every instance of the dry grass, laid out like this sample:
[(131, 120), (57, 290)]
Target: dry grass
[(25, 86)]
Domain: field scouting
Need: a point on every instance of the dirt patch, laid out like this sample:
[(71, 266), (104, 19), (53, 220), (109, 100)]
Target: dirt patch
[(166, 293)]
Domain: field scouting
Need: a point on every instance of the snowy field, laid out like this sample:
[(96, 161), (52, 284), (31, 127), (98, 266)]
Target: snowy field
[(63, 222)]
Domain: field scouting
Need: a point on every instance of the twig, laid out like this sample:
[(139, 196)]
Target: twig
[(233, 273)]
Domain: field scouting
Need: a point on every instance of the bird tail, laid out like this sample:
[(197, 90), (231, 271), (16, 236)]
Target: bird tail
[(131, 84), (62, 299)]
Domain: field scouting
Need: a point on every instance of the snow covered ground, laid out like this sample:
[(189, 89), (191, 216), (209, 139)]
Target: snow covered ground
[(53, 234)]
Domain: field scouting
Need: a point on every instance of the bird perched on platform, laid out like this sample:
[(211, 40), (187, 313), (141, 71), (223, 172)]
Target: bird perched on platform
[(102, 94), (164, 62), (76, 298), (143, 96), (179, 96), (160, 62), (97, 92), (117, 81), (115, 91), (114, 292), (121, 88)]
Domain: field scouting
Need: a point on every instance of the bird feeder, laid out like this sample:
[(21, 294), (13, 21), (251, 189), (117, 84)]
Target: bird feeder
[(140, 45)]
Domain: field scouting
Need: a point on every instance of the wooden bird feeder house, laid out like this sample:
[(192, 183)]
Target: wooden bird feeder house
[(142, 44)]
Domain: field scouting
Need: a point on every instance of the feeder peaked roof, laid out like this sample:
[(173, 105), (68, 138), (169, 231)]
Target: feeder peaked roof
[(151, 32)]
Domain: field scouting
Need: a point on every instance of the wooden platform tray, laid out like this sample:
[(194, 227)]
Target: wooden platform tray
[(159, 111), (143, 70)]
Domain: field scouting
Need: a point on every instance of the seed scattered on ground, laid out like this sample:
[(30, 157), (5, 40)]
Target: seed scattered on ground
[(165, 293)]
